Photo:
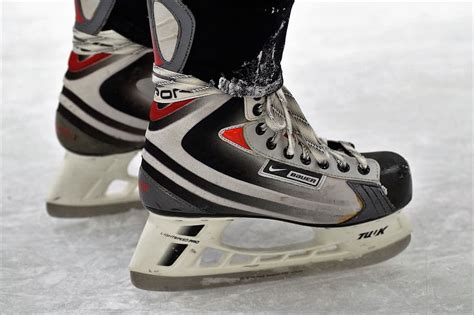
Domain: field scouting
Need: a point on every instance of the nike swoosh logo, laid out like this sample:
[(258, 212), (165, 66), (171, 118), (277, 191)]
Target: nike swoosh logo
[(272, 169)]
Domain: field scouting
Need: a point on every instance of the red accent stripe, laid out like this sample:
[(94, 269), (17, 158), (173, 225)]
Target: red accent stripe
[(236, 135), (157, 114), (76, 65)]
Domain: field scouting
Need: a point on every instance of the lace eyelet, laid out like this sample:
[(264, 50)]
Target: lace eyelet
[(285, 152), (324, 165), (343, 167), (259, 130), (270, 144), (257, 99), (257, 109), (306, 161), (363, 171)]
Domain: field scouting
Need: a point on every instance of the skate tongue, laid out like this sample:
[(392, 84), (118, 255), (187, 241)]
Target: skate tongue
[(337, 146)]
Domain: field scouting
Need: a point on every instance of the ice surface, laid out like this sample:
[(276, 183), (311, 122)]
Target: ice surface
[(385, 76)]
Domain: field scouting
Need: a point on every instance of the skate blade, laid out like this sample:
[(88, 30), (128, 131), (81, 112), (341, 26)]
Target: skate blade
[(94, 185), (68, 211), (163, 283), (168, 258)]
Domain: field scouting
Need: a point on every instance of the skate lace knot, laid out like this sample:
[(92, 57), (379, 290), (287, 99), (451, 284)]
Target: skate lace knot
[(285, 122)]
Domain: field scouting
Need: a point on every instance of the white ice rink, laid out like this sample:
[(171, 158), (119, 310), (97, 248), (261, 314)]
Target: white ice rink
[(384, 76)]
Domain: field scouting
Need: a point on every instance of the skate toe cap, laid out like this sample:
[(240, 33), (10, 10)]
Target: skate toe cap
[(395, 176)]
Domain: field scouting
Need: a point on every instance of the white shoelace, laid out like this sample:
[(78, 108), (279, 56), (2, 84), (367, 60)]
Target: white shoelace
[(105, 42), (281, 121), (279, 117)]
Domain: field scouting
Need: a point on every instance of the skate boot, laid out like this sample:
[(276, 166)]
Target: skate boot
[(101, 118), (215, 158), (210, 159)]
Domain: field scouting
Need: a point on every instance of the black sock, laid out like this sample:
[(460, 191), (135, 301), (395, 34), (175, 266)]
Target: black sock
[(239, 43)]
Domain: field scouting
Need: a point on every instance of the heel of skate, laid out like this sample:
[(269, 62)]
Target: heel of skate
[(176, 253), (93, 185)]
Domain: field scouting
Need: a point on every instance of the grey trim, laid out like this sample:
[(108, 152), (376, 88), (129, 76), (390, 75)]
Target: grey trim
[(101, 14), (376, 203), (187, 25), (162, 199)]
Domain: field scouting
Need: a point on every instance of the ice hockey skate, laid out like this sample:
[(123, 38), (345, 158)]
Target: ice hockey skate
[(214, 156), (101, 118), (256, 158)]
